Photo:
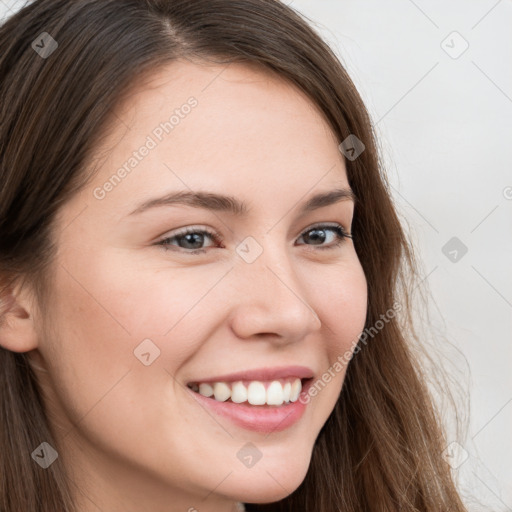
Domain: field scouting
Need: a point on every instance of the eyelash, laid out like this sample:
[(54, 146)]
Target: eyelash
[(338, 229)]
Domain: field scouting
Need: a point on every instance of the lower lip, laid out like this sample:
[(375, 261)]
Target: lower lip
[(259, 418)]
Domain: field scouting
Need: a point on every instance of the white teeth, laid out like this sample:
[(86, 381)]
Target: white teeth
[(205, 389), (256, 394), (295, 390), (286, 392), (275, 393), (238, 393), (221, 391)]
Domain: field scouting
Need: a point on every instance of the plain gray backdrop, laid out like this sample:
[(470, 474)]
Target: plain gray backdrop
[(437, 80)]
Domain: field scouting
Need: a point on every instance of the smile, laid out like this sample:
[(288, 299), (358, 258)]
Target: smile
[(255, 392), (264, 406)]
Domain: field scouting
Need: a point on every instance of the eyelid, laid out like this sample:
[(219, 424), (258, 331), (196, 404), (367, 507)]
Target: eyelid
[(216, 237), (328, 225)]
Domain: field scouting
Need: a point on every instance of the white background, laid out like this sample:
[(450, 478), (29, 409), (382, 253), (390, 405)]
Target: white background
[(444, 123)]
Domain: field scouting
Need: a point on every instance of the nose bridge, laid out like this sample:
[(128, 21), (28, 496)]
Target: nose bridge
[(272, 299)]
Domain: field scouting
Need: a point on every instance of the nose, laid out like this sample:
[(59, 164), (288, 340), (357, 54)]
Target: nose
[(271, 300)]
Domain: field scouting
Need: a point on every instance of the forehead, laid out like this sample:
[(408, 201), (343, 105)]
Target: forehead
[(217, 127), (232, 83)]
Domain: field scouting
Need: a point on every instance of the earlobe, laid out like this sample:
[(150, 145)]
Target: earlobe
[(17, 329)]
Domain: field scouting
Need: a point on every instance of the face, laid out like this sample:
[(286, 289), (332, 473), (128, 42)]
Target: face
[(149, 301)]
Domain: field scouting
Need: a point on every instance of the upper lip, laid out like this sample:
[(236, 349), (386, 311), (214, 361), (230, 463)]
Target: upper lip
[(261, 374)]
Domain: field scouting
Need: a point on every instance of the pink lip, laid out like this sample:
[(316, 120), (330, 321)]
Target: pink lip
[(261, 374), (259, 418)]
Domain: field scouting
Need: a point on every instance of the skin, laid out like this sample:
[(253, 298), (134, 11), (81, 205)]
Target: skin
[(131, 435)]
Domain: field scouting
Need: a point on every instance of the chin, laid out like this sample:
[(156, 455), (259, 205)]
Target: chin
[(269, 483)]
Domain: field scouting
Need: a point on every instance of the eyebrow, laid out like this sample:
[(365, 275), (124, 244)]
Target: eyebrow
[(230, 204)]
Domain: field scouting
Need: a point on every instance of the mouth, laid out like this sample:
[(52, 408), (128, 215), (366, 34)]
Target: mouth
[(272, 393)]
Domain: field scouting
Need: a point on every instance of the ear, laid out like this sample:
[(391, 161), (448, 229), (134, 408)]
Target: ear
[(17, 314)]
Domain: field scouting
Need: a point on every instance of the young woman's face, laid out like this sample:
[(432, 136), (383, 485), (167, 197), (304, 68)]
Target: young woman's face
[(134, 323)]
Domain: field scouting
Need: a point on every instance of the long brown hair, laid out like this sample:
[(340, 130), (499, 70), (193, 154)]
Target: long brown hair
[(380, 449)]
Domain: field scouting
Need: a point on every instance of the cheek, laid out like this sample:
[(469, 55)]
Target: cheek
[(101, 314), (89, 346), (342, 305), (108, 307)]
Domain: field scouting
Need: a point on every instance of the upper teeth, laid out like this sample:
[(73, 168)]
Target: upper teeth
[(255, 392)]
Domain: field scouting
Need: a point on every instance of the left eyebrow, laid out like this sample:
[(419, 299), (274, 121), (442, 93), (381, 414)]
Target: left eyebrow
[(219, 202)]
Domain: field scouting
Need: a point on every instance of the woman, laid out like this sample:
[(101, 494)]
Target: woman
[(200, 272)]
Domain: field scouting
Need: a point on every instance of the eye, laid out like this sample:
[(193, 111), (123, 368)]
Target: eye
[(191, 239), (319, 235)]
